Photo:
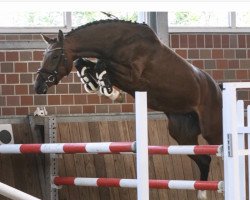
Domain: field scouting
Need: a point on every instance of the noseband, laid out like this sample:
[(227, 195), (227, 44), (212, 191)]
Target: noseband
[(52, 78)]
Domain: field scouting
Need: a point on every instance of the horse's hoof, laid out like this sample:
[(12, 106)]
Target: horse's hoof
[(120, 98), (202, 194)]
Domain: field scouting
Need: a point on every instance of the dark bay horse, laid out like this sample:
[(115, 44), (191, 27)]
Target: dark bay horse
[(138, 61)]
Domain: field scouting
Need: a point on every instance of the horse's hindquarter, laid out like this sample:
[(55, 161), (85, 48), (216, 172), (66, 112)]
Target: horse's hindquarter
[(179, 87), (174, 83), (139, 62)]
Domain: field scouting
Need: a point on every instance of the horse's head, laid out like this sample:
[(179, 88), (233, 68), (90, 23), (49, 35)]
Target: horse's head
[(54, 65)]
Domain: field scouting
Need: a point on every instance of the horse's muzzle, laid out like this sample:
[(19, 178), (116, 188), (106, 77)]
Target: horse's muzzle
[(41, 89), (40, 86)]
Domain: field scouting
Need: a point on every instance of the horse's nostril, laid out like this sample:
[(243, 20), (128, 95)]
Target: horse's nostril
[(41, 89)]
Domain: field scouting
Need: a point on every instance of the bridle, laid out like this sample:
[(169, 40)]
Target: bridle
[(52, 78)]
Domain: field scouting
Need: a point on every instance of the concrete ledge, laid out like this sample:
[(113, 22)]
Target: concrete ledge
[(20, 45), (10, 119)]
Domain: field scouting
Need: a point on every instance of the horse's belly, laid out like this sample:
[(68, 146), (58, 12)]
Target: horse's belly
[(164, 97), (171, 102), (178, 92)]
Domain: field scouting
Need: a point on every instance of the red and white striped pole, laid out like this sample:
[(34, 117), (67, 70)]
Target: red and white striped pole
[(101, 147), (132, 183), (108, 147), (187, 150), (13, 193)]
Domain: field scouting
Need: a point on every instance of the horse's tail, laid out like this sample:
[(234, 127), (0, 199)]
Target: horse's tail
[(184, 128)]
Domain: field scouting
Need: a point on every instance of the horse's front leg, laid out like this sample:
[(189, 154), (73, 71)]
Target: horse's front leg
[(96, 80), (86, 73), (105, 86)]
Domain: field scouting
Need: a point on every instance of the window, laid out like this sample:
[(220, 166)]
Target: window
[(204, 21), (243, 19), (180, 21), (32, 22), (80, 18), (198, 19), (31, 19)]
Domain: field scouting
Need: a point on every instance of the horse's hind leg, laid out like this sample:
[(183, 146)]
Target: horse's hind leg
[(211, 124), (203, 162), (185, 128)]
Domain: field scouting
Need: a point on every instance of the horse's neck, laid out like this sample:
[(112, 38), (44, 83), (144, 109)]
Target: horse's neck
[(102, 42), (81, 46)]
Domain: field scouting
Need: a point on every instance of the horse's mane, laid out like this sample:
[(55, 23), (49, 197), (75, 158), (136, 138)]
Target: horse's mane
[(103, 22)]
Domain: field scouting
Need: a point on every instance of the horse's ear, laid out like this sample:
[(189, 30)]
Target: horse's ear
[(47, 39), (60, 36)]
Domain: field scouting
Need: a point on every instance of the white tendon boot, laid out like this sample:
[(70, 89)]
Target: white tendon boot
[(105, 86), (84, 68), (202, 194), (89, 85)]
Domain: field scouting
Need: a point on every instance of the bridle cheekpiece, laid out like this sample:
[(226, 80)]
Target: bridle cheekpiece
[(52, 78)]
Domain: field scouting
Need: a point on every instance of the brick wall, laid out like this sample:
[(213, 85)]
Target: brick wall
[(17, 97), (226, 57)]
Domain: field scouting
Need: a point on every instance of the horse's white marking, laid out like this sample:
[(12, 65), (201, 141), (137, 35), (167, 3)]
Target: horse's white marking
[(202, 194), (99, 77), (85, 80), (90, 88), (114, 95), (93, 89), (195, 68)]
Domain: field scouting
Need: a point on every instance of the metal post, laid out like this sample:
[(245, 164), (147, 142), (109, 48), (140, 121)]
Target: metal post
[(51, 164), (162, 27), (142, 146), (234, 145), (230, 143), (37, 133), (241, 146), (158, 21), (248, 142), (151, 19)]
